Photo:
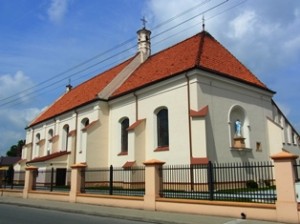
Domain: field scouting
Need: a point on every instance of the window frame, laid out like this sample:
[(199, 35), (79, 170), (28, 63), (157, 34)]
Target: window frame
[(124, 125), (162, 129)]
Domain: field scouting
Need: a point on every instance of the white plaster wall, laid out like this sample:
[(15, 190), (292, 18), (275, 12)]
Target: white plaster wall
[(118, 110), (274, 137), (199, 145), (221, 95), (90, 112), (27, 150), (97, 139), (172, 95)]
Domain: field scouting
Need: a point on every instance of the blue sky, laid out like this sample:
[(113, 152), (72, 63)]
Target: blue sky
[(46, 44)]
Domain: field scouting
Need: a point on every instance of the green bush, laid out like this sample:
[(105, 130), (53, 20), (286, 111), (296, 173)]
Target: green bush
[(267, 183), (251, 184)]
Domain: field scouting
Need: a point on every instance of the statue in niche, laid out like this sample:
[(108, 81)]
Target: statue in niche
[(238, 140), (238, 128)]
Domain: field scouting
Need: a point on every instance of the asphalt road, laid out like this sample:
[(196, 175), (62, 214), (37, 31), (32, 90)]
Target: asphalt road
[(13, 214)]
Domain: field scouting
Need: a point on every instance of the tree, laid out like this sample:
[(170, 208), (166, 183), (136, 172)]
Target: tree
[(16, 150)]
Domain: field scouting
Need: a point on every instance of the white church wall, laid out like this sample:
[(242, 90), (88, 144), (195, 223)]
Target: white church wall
[(221, 95), (199, 146), (274, 137), (168, 95), (90, 113), (97, 141), (171, 94), (120, 109)]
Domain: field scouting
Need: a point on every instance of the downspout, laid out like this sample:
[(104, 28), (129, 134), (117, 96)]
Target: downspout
[(189, 116), (75, 137), (136, 106), (190, 130)]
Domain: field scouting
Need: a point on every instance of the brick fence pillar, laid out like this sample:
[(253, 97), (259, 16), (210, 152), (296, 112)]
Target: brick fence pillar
[(30, 180), (77, 180), (286, 204), (153, 179)]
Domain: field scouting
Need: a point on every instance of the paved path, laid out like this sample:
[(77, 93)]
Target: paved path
[(130, 214)]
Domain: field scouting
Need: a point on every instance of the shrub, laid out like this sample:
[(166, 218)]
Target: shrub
[(251, 184), (267, 183)]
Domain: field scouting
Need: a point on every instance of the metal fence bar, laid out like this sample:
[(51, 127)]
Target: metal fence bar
[(247, 182), (13, 179), (53, 180), (115, 181)]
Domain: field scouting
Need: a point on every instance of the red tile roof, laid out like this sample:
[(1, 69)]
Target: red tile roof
[(201, 51), (49, 157), (80, 95)]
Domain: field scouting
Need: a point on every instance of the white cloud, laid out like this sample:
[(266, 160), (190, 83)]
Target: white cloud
[(57, 10), (12, 84), (13, 122), (14, 117), (243, 24)]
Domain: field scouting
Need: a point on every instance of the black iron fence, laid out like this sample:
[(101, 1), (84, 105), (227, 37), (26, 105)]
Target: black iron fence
[(114, 181), (243, 182), (58, 179), (12, 179)]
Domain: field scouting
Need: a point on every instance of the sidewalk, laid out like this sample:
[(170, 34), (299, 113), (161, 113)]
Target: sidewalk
[(130, 214)]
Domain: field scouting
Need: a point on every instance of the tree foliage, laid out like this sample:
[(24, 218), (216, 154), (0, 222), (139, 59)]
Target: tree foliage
[(16, 150)]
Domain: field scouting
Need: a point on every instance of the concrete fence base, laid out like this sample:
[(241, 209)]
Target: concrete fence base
[(286, 208)]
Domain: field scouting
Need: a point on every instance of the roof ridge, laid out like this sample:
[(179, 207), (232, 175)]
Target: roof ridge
[(200, 49), (109, 69), (119, 79), (235, 58), (174, 45)]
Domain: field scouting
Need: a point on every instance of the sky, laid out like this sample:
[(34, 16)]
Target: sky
[(48, 44)]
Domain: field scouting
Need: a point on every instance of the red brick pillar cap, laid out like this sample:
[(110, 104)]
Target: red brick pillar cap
[(284, 156), (79, 165), (31, 168), (153, 162)]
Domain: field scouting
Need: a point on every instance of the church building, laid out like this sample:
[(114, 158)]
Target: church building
[(191, 103)]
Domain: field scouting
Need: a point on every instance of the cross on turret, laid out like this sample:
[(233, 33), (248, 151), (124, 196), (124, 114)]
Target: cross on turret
[(144, 21)]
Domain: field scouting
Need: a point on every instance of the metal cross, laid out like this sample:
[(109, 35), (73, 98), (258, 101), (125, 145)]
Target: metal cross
[(144, 21)]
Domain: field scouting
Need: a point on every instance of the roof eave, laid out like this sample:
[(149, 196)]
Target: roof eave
[(67, 111), (235, 79), (187, 70)]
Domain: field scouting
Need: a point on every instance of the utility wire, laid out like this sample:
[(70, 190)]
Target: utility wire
[(31, 91), (96, 56)]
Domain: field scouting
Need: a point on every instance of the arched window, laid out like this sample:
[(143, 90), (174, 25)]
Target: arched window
[(83, 135), (49, 143), (37, 145), (65, 137), (124, 135), (85, 122), (162, 128)]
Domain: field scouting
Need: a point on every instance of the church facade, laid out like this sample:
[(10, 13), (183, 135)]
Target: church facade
[(191, 103)]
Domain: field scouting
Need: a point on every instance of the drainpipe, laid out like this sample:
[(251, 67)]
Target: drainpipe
[(190, 130), (189, 115), (75, 140), (136, 106)]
